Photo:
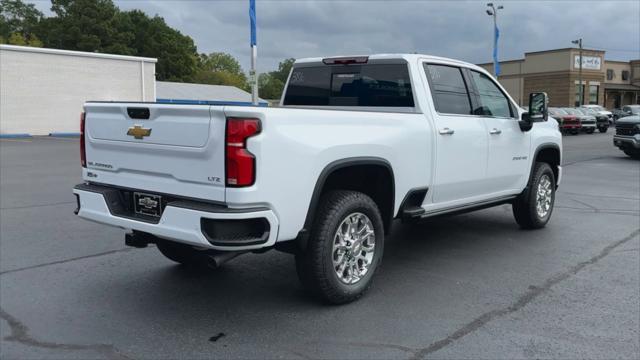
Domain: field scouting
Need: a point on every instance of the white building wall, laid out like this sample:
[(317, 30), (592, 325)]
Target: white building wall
[(42, 90)]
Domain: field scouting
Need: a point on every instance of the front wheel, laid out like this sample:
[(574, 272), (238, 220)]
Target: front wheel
[(574, 132), (603, 129), (344, 248), (590, 130), (533, 208)]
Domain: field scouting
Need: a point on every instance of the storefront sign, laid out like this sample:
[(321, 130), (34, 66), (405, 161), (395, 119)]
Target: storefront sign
[(588, 62)]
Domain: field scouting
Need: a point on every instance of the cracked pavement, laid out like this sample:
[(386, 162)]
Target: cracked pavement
[(470, 286)]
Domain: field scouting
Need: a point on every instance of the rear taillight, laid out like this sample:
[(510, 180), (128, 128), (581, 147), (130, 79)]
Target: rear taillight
[(83, 153), (240, 163)]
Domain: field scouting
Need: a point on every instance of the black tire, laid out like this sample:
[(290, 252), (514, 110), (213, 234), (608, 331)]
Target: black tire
[(590, 131), (315, 263), (180, 253), (574, 132), (524, 207), (633, 154), (603, 129)]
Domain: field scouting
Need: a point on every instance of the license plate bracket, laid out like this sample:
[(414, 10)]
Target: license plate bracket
[(147, 204)]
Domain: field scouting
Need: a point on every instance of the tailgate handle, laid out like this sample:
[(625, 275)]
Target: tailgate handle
[(138, 113)]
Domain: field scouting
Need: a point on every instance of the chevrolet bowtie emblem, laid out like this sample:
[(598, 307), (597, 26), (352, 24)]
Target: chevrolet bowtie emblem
[(138, 132)]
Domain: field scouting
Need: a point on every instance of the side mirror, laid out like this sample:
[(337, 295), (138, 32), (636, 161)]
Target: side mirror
[(538, 111)]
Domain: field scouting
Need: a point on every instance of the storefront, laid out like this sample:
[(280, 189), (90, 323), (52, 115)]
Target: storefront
[(608, 83)]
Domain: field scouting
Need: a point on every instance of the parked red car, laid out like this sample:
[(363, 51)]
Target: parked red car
[(568, 123)]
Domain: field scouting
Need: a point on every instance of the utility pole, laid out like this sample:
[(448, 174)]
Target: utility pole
[(496, 33), (580, 87)]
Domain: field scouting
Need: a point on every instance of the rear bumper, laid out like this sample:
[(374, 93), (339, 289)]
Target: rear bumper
[(626, 142), (180, 221)]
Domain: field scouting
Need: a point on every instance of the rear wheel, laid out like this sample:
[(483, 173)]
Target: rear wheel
[(533, 208), (344, 248)]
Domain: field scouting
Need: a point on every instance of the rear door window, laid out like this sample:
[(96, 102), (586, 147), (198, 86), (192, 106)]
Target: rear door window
[(370, 85), (448, 89)]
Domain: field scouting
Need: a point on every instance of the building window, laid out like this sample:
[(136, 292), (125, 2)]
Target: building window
[(610, 74), (625, 75), (578, 102), (593, 94)]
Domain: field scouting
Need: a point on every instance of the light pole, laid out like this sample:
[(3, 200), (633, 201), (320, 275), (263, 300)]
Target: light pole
[(580, 90), (253, 73), (494, 12)]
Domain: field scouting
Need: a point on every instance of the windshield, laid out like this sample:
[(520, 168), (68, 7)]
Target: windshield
[(556, 111), (571, 111), (635, 109), (374, 85)]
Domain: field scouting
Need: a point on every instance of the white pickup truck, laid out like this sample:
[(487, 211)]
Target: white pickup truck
[(356, 143)]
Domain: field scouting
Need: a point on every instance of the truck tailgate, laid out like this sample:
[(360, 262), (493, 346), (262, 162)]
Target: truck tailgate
[(163, 148)]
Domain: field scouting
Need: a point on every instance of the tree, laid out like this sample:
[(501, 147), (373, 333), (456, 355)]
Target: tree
[(271, 85), (151, 37), (86, 25), (284, 68), (22, 40), (18, 21), (219, 61), (99, 26), (220, 68)]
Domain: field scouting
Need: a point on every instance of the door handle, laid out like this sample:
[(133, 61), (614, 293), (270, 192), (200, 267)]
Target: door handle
[(495, 131), (446, 131)]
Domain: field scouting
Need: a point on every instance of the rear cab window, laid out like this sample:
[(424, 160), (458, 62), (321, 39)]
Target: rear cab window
[(449, 90), (379, 85)]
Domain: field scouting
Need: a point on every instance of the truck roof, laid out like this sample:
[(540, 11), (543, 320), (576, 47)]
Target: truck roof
[(408, 57)]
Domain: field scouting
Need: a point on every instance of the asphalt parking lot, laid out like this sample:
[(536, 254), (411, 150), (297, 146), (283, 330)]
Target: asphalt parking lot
[(470, 286)]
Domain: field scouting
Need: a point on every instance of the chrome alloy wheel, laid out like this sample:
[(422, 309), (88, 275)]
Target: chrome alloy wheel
[(353, 248), (543, 196)]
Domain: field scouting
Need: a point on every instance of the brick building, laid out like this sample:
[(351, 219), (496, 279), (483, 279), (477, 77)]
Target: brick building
[(605, 82)]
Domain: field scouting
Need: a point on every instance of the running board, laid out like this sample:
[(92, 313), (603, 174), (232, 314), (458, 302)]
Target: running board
[(478, 205)]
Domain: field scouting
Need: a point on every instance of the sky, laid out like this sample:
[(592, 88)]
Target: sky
[(456, 29)]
